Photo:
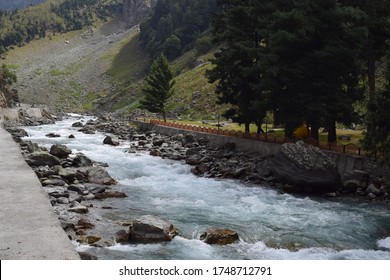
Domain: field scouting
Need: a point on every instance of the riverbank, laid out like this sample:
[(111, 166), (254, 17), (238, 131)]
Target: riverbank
[(29, 227)]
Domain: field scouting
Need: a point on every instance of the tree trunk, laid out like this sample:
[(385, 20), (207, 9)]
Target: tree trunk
[(332, 136), (247, 127), (164, 117), (314, 131)]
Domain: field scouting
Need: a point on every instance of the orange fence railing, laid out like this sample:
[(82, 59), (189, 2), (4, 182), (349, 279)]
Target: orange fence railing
[(349, 148)]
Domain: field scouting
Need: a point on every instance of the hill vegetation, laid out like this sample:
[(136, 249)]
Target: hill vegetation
[(54, 16), (7, 5)]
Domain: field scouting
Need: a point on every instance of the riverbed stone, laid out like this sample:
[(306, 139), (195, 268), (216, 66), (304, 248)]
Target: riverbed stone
[(108, 140), (68, 174), (306, 168), (81, 160), (42, 158), (60, 151), (78, 208), (98, 175), (219, 236), (110, 194), (150, 229)]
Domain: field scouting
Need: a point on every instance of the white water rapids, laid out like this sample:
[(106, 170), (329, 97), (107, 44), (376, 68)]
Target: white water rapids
[(271, 225)]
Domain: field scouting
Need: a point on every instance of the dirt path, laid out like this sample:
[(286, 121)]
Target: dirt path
[(66, 71)]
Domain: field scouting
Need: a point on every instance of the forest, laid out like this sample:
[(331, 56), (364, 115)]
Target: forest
[(311, 63)]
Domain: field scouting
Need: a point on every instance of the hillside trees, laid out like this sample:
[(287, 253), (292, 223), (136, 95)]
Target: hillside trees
[(173, 25), (297, 58), (158, 87)]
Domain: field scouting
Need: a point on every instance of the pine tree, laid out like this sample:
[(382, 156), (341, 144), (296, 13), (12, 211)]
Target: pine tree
[(158, 87), (313, 57), (238, 81)]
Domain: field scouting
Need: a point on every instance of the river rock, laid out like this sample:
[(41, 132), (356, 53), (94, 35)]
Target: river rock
[(149, 229), (60, 150), (77, 124), (189, 139), (112, 194), (80, 189), (122, 237), (62, 200), (306, 168), (109, 141), (98, 175), (193, 160), (53, 135), (78, 208), (84, 224), (68, 174), (219, 236), (82, 160), (42, 158)]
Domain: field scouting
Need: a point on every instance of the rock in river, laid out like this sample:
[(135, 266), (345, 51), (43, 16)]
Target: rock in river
[(219, 236), (59, 150), (306, 168), (149, 229), (98, 175)]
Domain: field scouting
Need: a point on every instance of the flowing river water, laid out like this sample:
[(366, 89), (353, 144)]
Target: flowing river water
[(271, 224)]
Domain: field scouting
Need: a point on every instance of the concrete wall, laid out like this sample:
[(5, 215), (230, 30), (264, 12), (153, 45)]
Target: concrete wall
[(345, 163)]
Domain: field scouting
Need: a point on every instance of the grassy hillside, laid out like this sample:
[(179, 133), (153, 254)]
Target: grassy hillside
[(194, 97)]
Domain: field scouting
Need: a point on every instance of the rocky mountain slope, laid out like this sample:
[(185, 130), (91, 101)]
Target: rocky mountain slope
[(68, 71)]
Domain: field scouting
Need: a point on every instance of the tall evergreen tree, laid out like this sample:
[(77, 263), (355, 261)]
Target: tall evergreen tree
[(376, 45), (313, 58), (235, 74), (158, 87)]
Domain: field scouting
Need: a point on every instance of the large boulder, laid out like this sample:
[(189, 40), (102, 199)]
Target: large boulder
[(305, 168), (60, 150), (149, 229), (82, 160), (109, 141), (42, 158), (98, 175), (219, 236)]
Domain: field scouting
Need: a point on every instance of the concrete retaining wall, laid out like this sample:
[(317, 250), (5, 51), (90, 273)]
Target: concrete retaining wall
[(345, 163)]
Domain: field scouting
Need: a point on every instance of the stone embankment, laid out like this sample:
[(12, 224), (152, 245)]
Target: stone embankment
[(29, 227)]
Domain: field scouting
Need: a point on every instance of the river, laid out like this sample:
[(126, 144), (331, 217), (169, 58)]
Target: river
[(271, 225)]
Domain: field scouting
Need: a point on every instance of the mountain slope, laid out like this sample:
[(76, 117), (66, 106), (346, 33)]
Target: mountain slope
[(17, 4), (67, 71)]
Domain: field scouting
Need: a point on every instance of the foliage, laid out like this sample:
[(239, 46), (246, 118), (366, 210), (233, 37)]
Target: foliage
[(379, 139), (298, 58), (176, 24), (7, 77), (158, 87), (238, 81), (22, 26)]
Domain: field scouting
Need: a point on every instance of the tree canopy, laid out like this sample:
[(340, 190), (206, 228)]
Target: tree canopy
[(174, 25), (300, 59)]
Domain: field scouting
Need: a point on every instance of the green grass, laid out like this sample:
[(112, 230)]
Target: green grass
[(129, 65)]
